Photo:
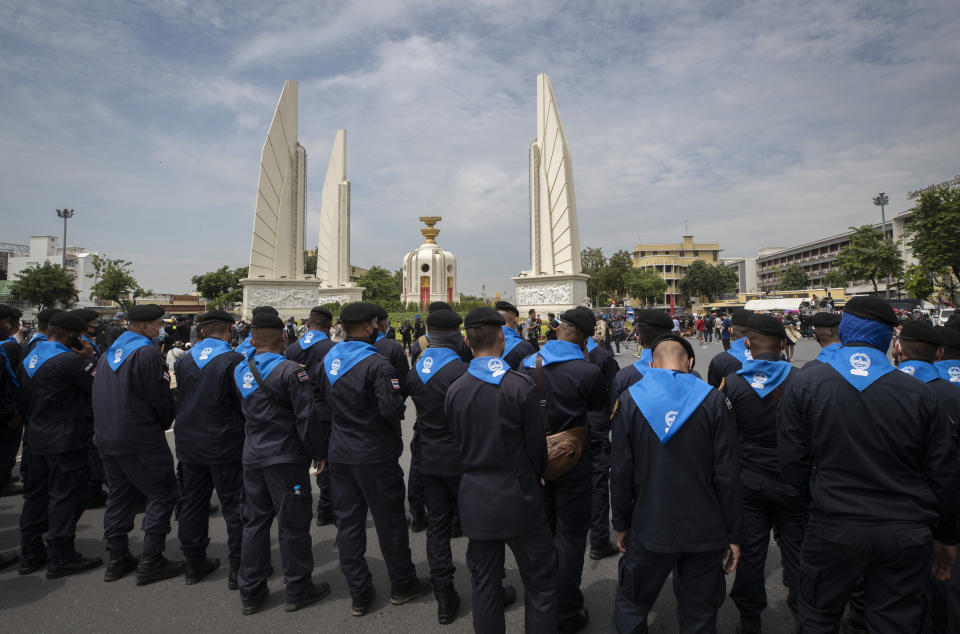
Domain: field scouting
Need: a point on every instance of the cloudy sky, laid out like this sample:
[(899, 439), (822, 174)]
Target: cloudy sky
[(757, 123)]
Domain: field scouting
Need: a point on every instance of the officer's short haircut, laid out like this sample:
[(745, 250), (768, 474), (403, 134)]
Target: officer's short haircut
[(267, 336), (827, 332), (650, 334), (214, 327), (319, 319), (482, 337), (56, 332), (919, 350)]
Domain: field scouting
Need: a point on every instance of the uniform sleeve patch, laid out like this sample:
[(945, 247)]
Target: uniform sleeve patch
[(91, 369), (302, 376), (395, 383)]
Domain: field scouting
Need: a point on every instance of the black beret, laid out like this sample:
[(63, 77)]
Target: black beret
[(953, 321), (740, 317), (382, 313), (359, 312), (873, 308), (6, 311), (438, 306), (270, 310), (443, 318), (216, 315), (17, 313), (483, 316), (145, 312), (826, 320), (919, 331), (766, 325), (266, 320), (502, 305), (320, 310), (68, 320), (582, 318), (650, 318), (44, 315), (86, 314), (672, 336), (949, 337)]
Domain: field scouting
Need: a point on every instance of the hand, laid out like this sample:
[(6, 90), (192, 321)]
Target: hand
[(943, 557), (320, 465), (731, 558), (14, 421), (86, 350), (621, 541)]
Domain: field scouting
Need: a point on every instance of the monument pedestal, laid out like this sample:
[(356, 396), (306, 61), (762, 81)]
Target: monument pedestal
[(340, 295), (550, 293), (291, 298)]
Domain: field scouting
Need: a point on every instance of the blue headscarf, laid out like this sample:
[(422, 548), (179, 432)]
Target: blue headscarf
[(875, 333)]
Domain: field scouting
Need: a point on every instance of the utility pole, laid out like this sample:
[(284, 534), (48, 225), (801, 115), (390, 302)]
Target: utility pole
[(66, 214), (881, 200)]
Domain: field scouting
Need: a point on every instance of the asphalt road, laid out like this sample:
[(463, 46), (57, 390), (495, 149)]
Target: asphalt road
[(84, 603)]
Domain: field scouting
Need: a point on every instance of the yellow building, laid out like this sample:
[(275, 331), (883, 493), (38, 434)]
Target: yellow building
[(671, 262)]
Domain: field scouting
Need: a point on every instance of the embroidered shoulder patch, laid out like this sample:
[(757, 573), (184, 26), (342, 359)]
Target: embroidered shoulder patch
[(302, 375), (91, 369), (395, 383)]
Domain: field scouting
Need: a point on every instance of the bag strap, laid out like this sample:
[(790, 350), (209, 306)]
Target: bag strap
[(263, 385), (423, 342), (543, 395)]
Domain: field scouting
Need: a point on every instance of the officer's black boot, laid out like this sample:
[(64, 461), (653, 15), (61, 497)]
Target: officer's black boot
[(29, 566), (314, 593), (414, 589), (509, 596), (121, 564), (574, 623), (604, 550), (448, 603), (418, 523), (194, 571), (156, 567), (232, 583), (361, 602), (78, 565)]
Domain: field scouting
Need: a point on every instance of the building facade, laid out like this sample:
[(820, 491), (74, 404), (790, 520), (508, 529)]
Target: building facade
[(47, 249), (671, 262)]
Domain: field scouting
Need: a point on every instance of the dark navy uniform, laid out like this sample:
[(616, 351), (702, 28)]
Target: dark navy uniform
[(768, 502), (11, 354), (727, 362), (281, 440), (494, 414), (209, 443), (366, 407), (516, 349), (132, 408), (574, 387), (874, 447), (309, 351), (598, 427), (56, 383), (393, 352), (675, 491), (427, 384)]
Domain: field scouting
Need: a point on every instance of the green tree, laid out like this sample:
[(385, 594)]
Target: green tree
[(709, 281), (115, 282), (45, 286), (934, 231), (869, 257), (592, 261), (382, 286), (918, 282), (793, 278), (646, 285), (221, 287), (613, 276), (835, 278), (310, 262)]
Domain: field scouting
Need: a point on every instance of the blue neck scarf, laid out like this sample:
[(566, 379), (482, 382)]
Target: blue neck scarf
[(555, 351), (343, 356), (511, 340), (739, 350), (643, 363), (246, 346), (432, 360), (488, 369), (381, 335), (311, 337), (36, 336), (949, 370), (667, 398), (874, 333), (265, 362), (43, 352), (206, 350), (591, 344), (860, 366), (922, 370), (92, 343), (828, 352), (123, 347), (764, 376)]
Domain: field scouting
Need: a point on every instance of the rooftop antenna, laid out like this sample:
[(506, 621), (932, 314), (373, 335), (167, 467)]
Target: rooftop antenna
[(686, 227)]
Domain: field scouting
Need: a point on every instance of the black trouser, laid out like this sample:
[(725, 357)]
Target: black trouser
[(128, 479), (535, 343), (280, 491), (9, 448), (379, 488), (54, 500), (893, 562), (440, 496), (97, 477), (600, 501), (197, 483), (536, 559), (414, 481), (767, 505), (567, 507), (697, 584)]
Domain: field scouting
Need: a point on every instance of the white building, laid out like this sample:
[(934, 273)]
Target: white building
[(430, 273), (47, 249)]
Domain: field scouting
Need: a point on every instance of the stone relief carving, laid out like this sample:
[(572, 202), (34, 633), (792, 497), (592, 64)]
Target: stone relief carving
[(281, 297), (544, 294)]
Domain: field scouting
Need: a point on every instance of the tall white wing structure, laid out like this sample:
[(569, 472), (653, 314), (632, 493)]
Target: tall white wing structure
[(333, 245), (276, 251)]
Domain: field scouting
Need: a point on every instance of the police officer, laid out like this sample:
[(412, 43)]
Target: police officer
[(515, 349), (650, 325), (729, 361), (598, 429), (826, 332), (245, 347), (572, 387), (948, 356), (96, 496), (11, 354), (391, 350), (674, 458), (132, 408), (755, 390), (56, 378), (494, 415), (43, 321), (879, 473), (460, 346), (282, 437), (436, 368), (309, 351), (366, 405), (209, 443)]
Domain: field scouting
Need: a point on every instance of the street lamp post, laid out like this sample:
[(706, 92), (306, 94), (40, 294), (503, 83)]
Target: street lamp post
[(66, 214), (881, 200)]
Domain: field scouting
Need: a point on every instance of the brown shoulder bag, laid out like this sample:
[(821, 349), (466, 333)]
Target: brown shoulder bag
[(563, 448)]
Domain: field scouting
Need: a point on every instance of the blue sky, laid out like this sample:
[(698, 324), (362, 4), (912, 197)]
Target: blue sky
[(758, 123)]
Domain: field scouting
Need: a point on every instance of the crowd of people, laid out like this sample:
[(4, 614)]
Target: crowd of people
[(542, 447)]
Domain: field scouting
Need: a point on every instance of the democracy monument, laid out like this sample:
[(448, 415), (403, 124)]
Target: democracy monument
[(429, 272)]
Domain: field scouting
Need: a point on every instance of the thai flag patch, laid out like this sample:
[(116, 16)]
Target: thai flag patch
[(302, 375), (395, 383)]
